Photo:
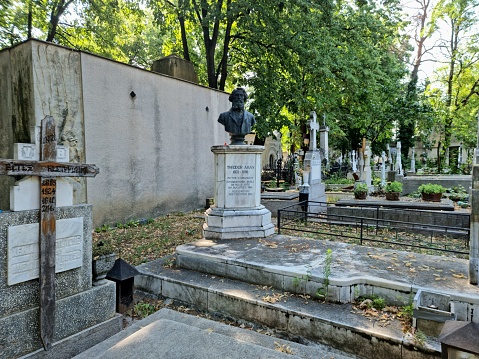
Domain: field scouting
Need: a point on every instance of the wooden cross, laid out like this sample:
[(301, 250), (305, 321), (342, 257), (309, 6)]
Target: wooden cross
[(314, 127), (48, 170)]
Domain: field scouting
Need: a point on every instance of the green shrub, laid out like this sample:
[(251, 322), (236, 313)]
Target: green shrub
[(360, 187), (429, 188), (394, 187)]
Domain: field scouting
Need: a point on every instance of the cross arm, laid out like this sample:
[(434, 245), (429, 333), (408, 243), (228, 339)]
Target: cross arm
[(46, 169)]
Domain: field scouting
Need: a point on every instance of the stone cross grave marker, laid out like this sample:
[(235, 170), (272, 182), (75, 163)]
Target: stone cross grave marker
[(48, 170), (398, 158), (314, 127)]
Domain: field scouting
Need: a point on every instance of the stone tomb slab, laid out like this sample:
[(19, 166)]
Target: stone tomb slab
[(444, 205), (23, 249)]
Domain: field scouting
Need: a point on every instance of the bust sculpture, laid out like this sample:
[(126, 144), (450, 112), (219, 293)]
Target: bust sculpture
[(237, 121)]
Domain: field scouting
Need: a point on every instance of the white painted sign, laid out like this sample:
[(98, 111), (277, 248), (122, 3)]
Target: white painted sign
[(23, 249)]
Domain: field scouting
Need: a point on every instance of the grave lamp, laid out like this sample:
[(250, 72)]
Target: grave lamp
[(306, 141), (123, 274), (459, 340)]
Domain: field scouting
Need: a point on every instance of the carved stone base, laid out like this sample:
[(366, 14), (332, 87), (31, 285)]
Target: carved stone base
[(233, 224)]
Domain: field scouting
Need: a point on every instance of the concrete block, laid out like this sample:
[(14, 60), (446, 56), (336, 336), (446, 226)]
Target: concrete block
[(187, 294), (248, 309), (149, 284)]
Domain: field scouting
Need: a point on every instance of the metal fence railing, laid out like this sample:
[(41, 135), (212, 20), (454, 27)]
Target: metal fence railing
[(317, 220)]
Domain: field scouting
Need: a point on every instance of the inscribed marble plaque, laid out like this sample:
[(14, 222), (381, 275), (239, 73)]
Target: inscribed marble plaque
[(23, 249), (240, 181)]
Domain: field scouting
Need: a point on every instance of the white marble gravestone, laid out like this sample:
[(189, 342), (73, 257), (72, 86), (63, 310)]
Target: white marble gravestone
[(398, 167), (237, 212), (383, 169), (324, 141), (23, 249), (312, 163), (25, 193)]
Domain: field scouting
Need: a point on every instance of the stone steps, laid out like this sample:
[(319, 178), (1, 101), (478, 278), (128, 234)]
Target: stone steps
[(330, 324), (168, 334)]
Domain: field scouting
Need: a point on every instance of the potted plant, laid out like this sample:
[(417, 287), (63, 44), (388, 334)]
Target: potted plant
[(360, 190), (393, 190), (431, 192), (103, 258)]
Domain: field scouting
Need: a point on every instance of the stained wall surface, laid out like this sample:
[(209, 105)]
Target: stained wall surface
[(150, 134)]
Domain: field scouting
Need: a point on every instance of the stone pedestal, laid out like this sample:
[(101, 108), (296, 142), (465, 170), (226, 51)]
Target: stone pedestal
[(237, 212), (317, 190), (474, 234)]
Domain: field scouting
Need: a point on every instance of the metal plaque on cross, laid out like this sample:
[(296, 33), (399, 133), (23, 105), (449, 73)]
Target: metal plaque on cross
[(48, 169)]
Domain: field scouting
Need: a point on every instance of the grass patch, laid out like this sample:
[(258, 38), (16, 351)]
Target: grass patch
[(138, 242)]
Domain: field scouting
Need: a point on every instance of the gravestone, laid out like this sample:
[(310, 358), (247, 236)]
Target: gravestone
[(324, 141), (354, 161), (474, 233), (412, 169), (312, 163), (383, 169), (398, 167), (54, 245)]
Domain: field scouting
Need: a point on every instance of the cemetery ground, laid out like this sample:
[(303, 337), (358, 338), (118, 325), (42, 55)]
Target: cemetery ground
[(141, 241)]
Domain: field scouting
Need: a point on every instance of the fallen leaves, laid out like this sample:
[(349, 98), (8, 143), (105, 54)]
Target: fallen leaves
[(273, 298), (269, 244), (383, 317), (283, 348)]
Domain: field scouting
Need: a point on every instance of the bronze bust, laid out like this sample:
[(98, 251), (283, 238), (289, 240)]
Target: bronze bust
[(237, 121)]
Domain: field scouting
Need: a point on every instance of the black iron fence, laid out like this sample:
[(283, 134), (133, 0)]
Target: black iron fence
[(318, 220)]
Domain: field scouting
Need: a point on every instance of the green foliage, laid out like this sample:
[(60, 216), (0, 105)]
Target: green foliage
[(360, 188), (379, 303), (429, 188), (143, 309), (336, 178), (103, 247), (323, 292), (394, 187), (374, 301), (457, 193)]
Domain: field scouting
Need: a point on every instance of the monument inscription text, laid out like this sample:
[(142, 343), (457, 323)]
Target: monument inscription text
[(240, 181), (23, 249)]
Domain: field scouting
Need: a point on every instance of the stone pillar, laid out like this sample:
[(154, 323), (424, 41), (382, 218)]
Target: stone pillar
[(413, 162), (367, 167), (474, 235), (323, 142), (398, 158), (237, 212), (312, 163), (383, 169)]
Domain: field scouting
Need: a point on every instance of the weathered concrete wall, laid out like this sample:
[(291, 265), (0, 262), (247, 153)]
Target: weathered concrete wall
[(153, 149), (411, 183)]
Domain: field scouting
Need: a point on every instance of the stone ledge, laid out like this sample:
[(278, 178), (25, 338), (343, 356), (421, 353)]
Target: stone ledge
[(73, 315)]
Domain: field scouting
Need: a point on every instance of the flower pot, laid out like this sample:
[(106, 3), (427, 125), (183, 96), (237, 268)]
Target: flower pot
[(431, 197), (361, 195), (392, 196), (102, 265)]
